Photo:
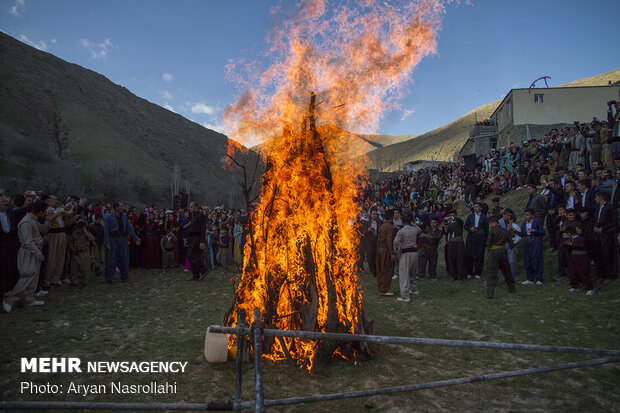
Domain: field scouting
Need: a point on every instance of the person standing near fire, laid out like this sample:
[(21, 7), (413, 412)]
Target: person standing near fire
[(370, 230), (29, 257), (385, 255), (57, 240), (115, 232), (196, 236), (406, 245)]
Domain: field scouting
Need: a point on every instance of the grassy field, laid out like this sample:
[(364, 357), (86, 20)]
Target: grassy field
[(158, 316)]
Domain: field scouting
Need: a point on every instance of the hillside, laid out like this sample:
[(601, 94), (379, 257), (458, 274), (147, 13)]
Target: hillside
[(442, 143), (359, 143), (66, 129), (598, 80), (439, 144)]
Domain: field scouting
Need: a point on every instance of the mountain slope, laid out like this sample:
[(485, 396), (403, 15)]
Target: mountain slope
[(359, 143), (64, 129), (443, 143)]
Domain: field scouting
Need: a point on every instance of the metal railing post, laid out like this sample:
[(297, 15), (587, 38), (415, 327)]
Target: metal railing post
[(240, 352), (259, 403)]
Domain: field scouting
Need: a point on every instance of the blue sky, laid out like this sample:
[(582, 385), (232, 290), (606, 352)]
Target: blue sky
[(173, 53)]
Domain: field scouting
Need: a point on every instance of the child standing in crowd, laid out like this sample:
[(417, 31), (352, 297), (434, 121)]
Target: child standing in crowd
[(222, 253), (167, 250), (579, 269)]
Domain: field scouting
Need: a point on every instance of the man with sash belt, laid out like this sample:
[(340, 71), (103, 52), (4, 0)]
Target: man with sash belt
[(196, 236), (431, 237), (498, 257), (406, 241), (115, 232), (385, 255)]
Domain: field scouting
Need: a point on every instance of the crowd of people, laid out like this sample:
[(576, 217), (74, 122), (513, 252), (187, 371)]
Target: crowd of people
[(44, 245), (571, 176)]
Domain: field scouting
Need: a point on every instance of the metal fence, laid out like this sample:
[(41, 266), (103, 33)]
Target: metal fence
[(257, 332)]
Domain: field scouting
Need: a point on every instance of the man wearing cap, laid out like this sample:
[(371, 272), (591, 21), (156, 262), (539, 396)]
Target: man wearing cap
[(80, 242), (406, 241)]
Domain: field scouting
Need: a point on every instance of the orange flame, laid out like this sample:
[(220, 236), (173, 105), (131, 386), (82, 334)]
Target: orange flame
[(299, 258)]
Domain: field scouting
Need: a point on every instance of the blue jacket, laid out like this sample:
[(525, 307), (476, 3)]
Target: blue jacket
[(111, 225), (537, 226)]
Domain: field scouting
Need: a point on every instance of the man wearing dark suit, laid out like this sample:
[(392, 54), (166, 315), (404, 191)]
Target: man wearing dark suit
[(555, 199), (585, 209), (532, 232), (477, 225), (536, 202), (605, 226), (115, 232), (455, 247)]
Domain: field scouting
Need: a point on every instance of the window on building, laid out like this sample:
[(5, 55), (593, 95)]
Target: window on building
[(510, 108), (501, 117), (538, 98), (494, 142)]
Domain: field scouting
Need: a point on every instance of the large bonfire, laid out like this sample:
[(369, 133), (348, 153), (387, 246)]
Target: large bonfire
[(300, 253)]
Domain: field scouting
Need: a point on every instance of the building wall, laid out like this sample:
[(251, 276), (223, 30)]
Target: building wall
[(409, 166), (562, 105), (482, 145)]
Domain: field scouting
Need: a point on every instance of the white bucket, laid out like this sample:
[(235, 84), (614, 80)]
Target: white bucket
[(216, 347)]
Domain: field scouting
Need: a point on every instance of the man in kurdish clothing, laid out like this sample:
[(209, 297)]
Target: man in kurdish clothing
[(455, 247), (385, 255), (406, 244), (498, 257), (29, 257), (115, 232)]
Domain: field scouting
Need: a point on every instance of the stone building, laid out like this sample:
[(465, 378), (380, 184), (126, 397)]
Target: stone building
[(531, 113)]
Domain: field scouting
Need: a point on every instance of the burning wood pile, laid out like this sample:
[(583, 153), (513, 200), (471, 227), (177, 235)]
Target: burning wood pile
[(302, 249), (300, 254)]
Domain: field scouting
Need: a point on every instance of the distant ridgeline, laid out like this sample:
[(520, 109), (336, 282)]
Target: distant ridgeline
[(68, 130), (510, 117)]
